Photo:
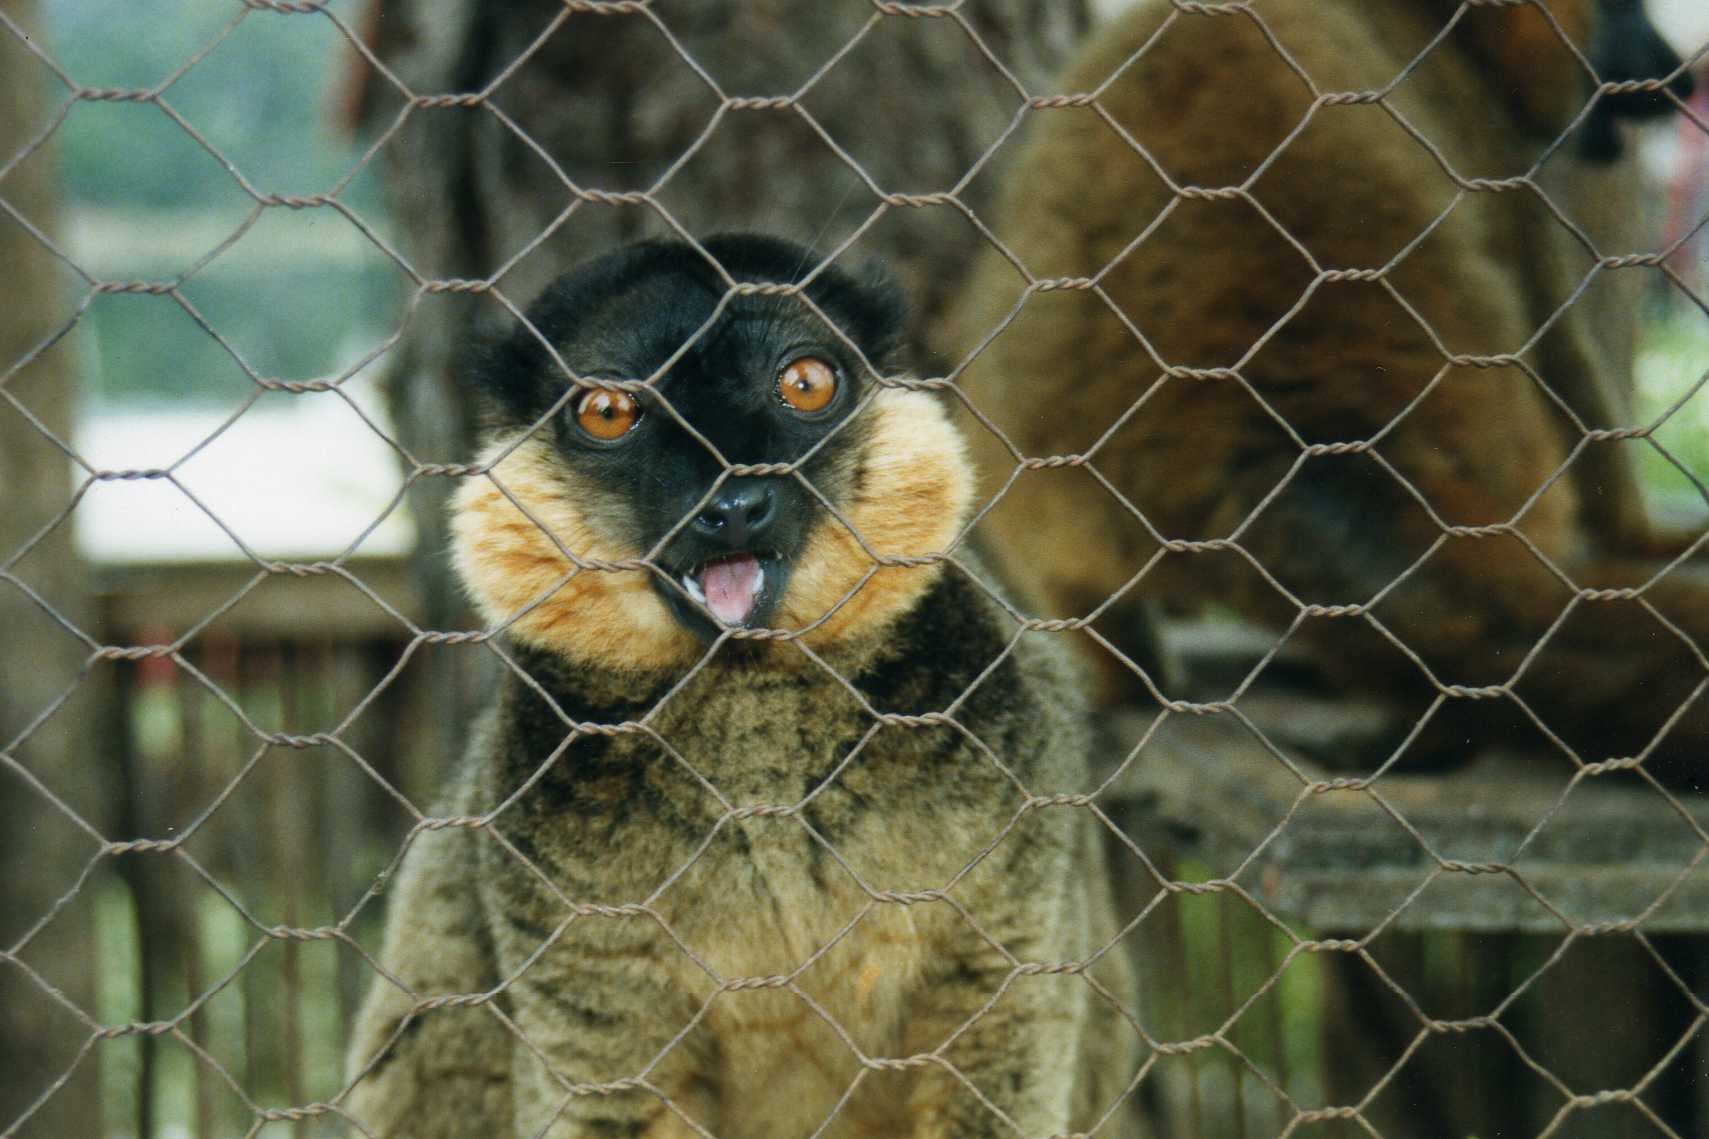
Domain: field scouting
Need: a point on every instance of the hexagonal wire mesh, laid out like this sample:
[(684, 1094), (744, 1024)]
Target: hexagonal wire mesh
[(204, 793)]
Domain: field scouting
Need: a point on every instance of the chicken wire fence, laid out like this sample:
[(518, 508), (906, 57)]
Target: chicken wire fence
[(230, 796)]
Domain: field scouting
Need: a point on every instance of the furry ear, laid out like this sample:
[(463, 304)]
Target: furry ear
[(890, 307), (505, 367), (864, 301), (869, 305)]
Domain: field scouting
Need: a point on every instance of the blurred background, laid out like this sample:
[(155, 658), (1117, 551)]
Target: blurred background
[(138, 380), (216, 378)]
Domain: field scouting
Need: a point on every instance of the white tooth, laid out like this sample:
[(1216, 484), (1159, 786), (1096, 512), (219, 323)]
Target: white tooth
[(693, 588)]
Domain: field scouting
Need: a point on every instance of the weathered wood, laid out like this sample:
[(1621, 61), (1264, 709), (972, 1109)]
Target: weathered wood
[(1502, 890), (1534, 857), (140, 598)]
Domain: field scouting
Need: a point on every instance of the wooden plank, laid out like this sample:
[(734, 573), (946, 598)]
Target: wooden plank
[(283, 606), (1506, 843)]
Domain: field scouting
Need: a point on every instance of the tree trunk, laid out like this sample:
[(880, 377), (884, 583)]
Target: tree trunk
[(607, 105), (41, 849)]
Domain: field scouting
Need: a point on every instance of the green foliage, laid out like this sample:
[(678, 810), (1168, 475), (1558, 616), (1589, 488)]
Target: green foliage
[(261, 99), (1669, 366), (296, 323)]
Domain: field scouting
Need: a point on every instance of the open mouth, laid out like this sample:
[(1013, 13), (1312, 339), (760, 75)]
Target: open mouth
[(731, 586)]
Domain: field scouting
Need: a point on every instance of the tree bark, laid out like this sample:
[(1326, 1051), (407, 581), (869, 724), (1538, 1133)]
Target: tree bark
[(42, 851)]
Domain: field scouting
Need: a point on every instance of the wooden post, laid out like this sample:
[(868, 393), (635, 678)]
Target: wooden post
[(42, 850)]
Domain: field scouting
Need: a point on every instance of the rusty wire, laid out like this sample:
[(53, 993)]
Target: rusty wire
[(1092, 803)]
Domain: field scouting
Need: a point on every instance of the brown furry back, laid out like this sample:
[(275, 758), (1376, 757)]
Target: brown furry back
[(1356, 345)]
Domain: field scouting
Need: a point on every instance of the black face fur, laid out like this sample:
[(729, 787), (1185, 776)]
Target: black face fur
[(627, 315)]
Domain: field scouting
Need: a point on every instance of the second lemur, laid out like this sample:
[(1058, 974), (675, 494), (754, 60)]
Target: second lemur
[(1326, 324), (770, 824)]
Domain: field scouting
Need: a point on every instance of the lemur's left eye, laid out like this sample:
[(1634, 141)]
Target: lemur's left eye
[(807, 384), (607, 414)]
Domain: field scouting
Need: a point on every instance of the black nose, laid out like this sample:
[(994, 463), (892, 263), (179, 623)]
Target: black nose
[(740, 513)]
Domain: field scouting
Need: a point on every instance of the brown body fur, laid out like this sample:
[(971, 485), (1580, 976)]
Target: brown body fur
[(1289, 359), (591, 932)]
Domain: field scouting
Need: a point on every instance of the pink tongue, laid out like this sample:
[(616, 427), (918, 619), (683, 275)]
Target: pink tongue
[(731, 586)]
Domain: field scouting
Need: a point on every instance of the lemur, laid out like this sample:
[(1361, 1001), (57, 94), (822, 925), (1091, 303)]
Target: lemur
[(1311, 311), (773, 804)]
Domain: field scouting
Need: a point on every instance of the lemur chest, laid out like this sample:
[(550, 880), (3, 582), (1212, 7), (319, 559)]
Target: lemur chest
[(766, 878), (808, 962), (809, 818), (772, 830)]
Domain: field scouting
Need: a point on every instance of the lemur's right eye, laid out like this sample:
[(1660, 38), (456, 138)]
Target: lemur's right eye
[(607, 414), (807, 385)]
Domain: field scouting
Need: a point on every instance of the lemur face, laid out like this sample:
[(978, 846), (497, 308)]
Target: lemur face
[(767, 382), (713, 385)]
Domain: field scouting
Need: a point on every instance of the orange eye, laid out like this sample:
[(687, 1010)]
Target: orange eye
[(607, 414), (807, 384)]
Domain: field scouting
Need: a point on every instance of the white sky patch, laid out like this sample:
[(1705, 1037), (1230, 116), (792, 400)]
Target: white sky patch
[(295, 477)]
